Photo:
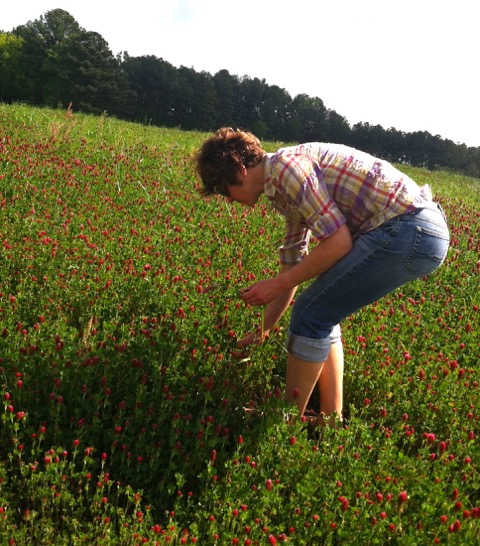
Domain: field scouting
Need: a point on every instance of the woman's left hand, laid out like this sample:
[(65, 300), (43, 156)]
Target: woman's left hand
[(262, 292)]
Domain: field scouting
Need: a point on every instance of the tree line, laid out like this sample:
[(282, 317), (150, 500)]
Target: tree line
[(54, 62)]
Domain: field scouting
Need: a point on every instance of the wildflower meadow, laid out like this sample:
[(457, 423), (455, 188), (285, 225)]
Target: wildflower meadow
[(128, 419)]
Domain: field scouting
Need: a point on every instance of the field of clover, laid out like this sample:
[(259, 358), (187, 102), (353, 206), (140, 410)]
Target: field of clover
[(124, 409)]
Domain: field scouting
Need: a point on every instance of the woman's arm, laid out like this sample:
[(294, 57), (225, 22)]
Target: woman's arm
[(272, 314), (323, 256)]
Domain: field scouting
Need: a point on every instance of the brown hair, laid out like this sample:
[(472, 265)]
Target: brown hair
[(222, 156)]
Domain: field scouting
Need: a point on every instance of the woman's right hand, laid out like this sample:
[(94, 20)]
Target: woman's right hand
[(246, 343)]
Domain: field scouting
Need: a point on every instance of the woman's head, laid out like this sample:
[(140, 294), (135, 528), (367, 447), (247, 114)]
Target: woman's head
[(222, 157)]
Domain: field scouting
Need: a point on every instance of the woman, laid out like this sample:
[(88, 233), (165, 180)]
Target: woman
[(374, 228)]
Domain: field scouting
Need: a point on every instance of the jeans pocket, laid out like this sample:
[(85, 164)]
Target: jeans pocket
[(428, 252)]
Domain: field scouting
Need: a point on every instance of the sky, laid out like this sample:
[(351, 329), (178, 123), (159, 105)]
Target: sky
[(410, 64)]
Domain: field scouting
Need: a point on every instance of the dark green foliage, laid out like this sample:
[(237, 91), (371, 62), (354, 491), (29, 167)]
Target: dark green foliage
[(64, 64)]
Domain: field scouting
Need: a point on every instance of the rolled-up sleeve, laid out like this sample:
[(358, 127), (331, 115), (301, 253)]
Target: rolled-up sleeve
[(295, 245)]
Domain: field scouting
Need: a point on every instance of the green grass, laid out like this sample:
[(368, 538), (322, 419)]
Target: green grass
[(122, 419)]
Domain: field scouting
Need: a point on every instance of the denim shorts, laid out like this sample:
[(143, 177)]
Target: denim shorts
[(401, 250)]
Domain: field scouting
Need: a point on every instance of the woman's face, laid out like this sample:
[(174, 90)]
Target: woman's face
[(250, 189)]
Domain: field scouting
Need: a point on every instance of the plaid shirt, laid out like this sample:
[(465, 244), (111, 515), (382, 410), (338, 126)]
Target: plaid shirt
[(319, 187)]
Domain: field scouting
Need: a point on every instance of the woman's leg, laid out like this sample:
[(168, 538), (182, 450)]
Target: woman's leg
[(302, 376), (330, 386)]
